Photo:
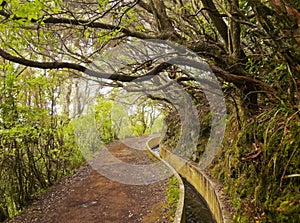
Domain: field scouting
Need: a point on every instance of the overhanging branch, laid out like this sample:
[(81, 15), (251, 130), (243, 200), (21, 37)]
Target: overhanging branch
[(225, 75), (61, 65), (242, 80)]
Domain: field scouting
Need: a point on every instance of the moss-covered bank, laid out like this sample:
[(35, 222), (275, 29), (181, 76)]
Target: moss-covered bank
[(258, 163)]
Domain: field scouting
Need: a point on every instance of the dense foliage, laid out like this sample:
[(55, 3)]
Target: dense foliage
[(37, 144), (252, 46)]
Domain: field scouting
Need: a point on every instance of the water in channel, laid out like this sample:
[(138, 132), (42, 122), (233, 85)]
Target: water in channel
[(196, 208)]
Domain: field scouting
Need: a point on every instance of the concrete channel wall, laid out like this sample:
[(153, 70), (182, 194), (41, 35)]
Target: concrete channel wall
[(209, 188), (179, 215)]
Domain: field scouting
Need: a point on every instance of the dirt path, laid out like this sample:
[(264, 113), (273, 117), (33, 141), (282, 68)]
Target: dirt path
[(88, 196)]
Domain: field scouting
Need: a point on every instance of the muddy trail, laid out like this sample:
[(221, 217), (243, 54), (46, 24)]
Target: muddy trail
[(88, 196)]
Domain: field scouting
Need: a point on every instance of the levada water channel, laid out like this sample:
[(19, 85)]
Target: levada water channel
[(195, 207)]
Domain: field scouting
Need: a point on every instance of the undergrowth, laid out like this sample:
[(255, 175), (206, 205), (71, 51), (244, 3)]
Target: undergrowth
[(173, 194), (259, 166)]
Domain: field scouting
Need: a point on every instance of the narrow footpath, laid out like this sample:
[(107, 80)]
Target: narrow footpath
[(89, 197)]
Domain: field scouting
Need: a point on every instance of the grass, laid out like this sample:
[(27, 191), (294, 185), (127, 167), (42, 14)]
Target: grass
[(173, 194)]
